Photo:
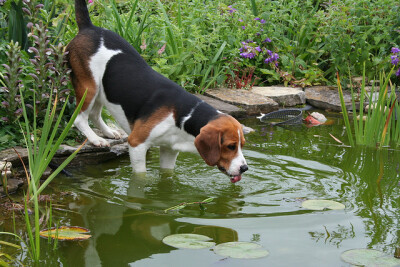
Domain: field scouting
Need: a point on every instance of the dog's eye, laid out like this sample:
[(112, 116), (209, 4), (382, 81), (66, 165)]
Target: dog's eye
[(231, 147)]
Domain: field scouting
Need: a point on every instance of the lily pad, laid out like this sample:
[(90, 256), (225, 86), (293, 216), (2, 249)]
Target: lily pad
[(321, 204), (72, 233), (369, 257), (192, 241), (241, 250)]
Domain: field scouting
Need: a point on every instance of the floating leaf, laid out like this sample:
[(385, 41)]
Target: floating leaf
[(321, 204), (72, 233), (241, 250), (192, 241), (369, 257)]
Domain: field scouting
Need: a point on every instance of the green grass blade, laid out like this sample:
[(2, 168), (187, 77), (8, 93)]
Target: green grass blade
[(117, 17), (65, 131), (59, 169), (344, 111), (254, 7), (211, 66)]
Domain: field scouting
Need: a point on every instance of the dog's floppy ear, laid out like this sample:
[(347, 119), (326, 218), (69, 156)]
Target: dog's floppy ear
[(208, 143)]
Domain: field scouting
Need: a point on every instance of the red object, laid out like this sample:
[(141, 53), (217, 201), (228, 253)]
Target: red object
[(311, 120)]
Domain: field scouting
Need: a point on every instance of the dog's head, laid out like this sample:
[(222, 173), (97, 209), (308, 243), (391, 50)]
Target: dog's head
[(220, 143)]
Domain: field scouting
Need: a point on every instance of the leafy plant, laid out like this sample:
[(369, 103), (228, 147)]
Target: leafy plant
[(42, 145), (46, 69), (380, 126)]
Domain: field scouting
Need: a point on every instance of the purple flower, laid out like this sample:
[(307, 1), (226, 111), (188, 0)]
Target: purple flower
[(247, 55), (267, 40), (5, 119), (18, 112), (257, 19), (398, 73), (231, 9), (273, 58), (247, 51), (395, 59), (240, 20), (395, 50), (263, 21), (5, 104), (243, 27)]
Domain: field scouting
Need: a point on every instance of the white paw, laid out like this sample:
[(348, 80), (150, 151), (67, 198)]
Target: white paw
[(100, 142), (112, 134), (116, 134)]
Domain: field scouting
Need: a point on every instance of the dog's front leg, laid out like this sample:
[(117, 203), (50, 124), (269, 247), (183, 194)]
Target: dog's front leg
[(138, 157), (167, 157)]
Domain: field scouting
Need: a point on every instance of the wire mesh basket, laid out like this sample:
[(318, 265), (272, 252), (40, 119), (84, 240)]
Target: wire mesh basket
[(283, 117)]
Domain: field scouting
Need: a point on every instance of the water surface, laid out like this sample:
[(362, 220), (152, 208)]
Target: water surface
[(125, 212)]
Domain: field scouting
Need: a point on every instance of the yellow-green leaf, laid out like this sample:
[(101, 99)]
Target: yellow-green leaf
[(72, 233)]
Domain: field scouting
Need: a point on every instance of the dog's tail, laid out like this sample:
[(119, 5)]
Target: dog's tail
[(82, 14)]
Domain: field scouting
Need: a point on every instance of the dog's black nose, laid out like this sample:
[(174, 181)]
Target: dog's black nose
[(243, 168)]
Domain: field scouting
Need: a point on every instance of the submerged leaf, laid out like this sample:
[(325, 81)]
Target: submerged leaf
[(369, 257), (192, 241), (72, 233), (321, 204), (241, 250)]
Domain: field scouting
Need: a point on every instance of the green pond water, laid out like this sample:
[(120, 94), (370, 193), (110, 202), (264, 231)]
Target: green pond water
[(125, 212)]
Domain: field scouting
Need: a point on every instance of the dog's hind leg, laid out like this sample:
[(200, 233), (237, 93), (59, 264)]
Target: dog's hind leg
[(95, 117), (167, 157), (82, 120)]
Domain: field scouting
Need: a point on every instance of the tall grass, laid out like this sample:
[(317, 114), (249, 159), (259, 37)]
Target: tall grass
[(379, 126), (41, 149)]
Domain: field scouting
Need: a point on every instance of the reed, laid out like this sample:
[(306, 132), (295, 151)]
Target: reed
[(379, 125), (41, 150)]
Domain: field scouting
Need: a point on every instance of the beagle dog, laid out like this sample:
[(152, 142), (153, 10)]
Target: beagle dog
[(151, 109)]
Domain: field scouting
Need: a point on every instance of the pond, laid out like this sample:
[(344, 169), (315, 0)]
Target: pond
[(125, 212)]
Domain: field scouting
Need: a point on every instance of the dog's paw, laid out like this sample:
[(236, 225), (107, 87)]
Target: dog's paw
[(112, 134), (116, 134), (99, 142)]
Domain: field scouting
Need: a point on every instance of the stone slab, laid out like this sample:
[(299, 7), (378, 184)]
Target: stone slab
[(327, 98), (284, 96), (222, 106), (249, 101), (12, 186)]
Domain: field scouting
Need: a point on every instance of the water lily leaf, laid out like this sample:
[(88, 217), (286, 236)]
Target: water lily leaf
[(321, 204), (72, 233), (369, 257), (241, 250), (192, 241)]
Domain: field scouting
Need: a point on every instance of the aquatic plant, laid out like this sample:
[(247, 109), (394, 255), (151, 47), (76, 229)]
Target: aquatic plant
[(41, 150), (378, 126)]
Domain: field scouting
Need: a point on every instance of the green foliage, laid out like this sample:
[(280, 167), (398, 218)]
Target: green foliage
[(38, 71), (197, 43), (379, 126), (42, 144)]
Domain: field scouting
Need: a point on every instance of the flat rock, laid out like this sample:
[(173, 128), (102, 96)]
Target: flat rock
[(90, 154), (284, 96), (9, 155), (12, 186), (223, 106), (327, 97), (251, 102)]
